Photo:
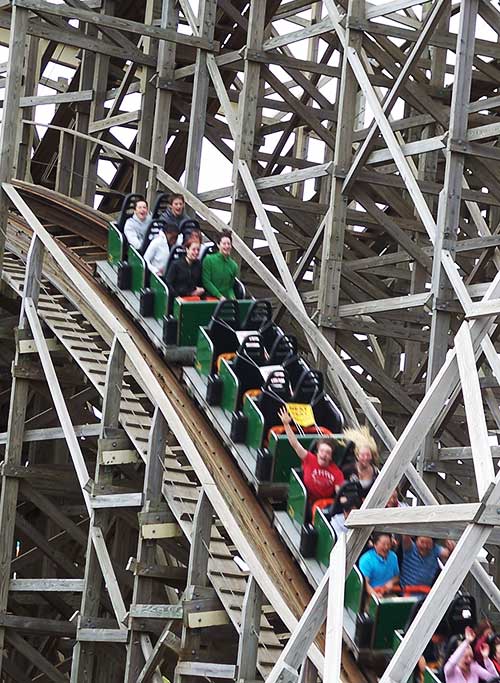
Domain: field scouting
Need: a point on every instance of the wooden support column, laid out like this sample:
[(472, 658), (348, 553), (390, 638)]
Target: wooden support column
[(249, 635), (427, 170), (333, 242), (197, 120), (82, 670), (15, 433), (99, 87), (145, 127), (11, 112), (248, 117), (197, 575), (64, 160), (27, 133), (154, 513), (166, 67), (82, 121), (450, 197), (335, 612)]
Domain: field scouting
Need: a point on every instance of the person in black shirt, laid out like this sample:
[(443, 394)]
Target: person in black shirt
[(184, 275)]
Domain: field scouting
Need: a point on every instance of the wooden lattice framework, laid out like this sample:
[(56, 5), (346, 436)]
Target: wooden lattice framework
[(364, 197)]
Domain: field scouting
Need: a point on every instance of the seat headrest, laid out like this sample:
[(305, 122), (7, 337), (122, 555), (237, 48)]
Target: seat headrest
[(160, 205), (127, 208)]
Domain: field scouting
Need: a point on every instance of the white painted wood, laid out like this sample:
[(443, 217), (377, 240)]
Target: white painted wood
[(109, 576), (476, 420), (335, 612), (422, 514), (442, 593)]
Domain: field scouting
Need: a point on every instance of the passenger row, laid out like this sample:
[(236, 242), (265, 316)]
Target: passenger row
[(171, 243), (470, 656), (339, 490)]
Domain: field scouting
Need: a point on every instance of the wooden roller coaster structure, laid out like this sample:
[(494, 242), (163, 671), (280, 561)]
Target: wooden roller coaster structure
[(361, 142)]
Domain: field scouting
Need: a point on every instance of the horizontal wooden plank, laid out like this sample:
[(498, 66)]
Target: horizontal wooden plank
[(38, 626), (156, 611), (47, 585), (102, 635), (206, 670), (118, 500)]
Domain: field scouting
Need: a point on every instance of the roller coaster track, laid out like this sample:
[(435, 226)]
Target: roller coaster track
[(73, 320)]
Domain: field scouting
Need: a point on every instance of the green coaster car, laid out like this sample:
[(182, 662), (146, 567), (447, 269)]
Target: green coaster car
[(232, 321)]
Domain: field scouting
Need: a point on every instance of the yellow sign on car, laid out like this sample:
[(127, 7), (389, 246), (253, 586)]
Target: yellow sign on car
[(302, 414)]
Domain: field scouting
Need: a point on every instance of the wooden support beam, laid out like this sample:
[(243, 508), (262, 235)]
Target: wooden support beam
[(33, 655), (117, 23), (46, 585), (197, 574), (84, 651), (442, 592), (57, 395), (10, 111), (430, 24), (138, 666), (476, 421), (15, 431), (53, 433), (335, 612), (206, 29), (250, 629), (108, 573)]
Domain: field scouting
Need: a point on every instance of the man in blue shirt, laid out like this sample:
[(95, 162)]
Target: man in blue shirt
[(380, 567), (420, 563)]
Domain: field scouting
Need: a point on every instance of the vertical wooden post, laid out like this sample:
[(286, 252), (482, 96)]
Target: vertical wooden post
[(28, 132), (450, 196), (335, 612), (83, 117), (197, 571), (250, 629), (166, 67), (82, 669), (333, 241), (247, 116), (145, 128), (11, 111), (197, 119), (146, 551), (100, 83), (15, 433), (64, 156)]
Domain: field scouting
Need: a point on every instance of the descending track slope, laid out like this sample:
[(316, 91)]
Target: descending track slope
[(77, 321)]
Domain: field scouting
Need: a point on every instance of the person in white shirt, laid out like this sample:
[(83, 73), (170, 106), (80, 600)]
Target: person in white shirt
[(157, 253), (338, 521), (137, 225)]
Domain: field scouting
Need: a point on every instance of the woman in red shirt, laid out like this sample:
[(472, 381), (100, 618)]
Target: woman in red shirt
[(322, 478)]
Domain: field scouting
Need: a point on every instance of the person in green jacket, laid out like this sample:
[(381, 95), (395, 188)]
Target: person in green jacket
[(219, 270)]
